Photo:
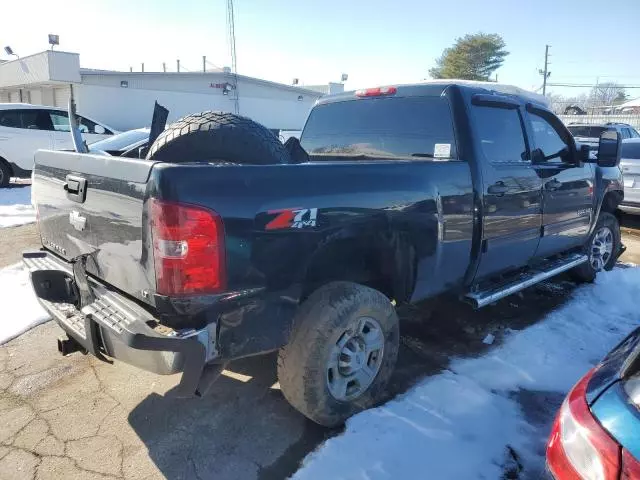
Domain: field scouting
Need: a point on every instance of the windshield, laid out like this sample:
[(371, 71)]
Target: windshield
[(392, 127), (122, 141), (586, 131)]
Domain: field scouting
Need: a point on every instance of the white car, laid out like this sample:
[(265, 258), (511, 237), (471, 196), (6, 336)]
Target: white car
[(25, 128)]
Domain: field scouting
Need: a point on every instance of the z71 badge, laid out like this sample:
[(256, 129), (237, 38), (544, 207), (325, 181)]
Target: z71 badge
[(292, 218)]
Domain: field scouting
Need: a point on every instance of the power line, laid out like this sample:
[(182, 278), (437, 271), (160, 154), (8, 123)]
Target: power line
[(588, 85)]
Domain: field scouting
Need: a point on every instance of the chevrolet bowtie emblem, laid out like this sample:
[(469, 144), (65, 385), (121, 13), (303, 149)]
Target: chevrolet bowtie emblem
[(77, 220)]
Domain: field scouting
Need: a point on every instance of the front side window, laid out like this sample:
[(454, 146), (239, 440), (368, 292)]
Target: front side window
[(60, 121), (547, 139), (501, 135), (89, 126)]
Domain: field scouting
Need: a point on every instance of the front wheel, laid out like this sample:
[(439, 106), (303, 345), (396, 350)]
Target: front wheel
[(602, 248), (342, 352)]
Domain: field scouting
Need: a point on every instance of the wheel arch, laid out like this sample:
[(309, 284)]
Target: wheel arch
[(385, 261), (610, 200), (8, 164)]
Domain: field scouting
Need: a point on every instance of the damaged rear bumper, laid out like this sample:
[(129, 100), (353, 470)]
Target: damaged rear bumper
[(117, 327)]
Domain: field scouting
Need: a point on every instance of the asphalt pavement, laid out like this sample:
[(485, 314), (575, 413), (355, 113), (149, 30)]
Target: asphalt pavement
[(78, 417)]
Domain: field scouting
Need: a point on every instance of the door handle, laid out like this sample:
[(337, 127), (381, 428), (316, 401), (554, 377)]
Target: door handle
[(553, 184), (76, 188), (498, 188)]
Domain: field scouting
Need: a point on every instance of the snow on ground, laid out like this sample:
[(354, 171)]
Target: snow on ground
[(20, 309), (461, 423), (15, 206)]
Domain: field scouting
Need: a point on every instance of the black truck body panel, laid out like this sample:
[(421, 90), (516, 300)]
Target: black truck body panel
[(412, 227)]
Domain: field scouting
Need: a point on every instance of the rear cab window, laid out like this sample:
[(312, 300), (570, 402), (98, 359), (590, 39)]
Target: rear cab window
[(407, 128)]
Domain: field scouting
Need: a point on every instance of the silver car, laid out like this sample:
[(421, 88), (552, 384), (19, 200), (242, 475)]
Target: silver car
[(630, 164)]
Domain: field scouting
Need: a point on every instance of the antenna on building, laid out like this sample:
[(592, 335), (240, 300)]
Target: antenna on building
[(9, 51), (131, 69), (54, 40), (178, 64), (204, 63), (142, 67), (164, 67)]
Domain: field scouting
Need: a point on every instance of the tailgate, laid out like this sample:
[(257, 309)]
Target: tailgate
[(93, 205)]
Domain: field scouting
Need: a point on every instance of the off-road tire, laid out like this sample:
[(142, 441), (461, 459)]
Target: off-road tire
[(218, 136), (319, 323), (585, 272), (5, 174)]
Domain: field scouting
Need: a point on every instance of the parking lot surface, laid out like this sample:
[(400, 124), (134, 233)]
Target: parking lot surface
[(77, 417)]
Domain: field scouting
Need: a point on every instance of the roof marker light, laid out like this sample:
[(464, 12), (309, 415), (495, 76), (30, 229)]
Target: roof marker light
[(376, 92)]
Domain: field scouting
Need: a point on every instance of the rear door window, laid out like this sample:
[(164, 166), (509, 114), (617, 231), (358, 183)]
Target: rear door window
[(501, 135), (630, 150), (586, 131), (381, 128)]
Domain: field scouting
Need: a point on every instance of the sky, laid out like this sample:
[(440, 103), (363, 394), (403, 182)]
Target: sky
[(375, 42)]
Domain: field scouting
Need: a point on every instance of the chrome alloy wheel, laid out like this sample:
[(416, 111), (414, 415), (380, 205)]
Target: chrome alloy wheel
[(601, 248)]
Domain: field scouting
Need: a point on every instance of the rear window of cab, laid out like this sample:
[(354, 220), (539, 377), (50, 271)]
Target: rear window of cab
[(414, 128)]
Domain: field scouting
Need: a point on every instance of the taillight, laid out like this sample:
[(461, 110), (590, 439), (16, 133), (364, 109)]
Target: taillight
[(579, 448), (376, 92), (630, 467), (188, 249)]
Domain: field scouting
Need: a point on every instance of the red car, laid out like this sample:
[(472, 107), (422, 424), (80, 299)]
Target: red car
[(596, 434)]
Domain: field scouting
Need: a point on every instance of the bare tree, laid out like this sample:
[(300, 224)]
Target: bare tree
[(568, 105), (606, 93)]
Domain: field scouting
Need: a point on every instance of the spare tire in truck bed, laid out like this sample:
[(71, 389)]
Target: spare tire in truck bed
[(218, 136)]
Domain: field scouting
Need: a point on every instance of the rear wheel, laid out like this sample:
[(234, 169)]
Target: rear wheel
[(5, 174), (218, 136), (341, 354), (602, 248)]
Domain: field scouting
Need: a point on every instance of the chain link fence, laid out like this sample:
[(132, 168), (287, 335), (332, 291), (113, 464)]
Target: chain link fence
[(599, 119)]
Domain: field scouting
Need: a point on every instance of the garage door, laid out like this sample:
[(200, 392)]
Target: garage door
[(61, 96)]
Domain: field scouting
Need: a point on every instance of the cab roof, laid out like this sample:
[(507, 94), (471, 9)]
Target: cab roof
[(437, 87)]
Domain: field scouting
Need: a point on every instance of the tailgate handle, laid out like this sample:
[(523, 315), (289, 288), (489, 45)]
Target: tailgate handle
[(76, 188)]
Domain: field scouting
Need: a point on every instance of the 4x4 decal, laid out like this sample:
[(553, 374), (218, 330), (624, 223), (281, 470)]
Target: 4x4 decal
[(292, 218)]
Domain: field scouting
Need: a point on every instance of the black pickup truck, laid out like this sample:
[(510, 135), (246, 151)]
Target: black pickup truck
[(223, 243)]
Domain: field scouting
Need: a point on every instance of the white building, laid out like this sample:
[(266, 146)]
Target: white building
[(125, 100)]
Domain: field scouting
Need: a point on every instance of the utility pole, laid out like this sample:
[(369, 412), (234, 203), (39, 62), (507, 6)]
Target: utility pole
[(545, 74), (232, 47)]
